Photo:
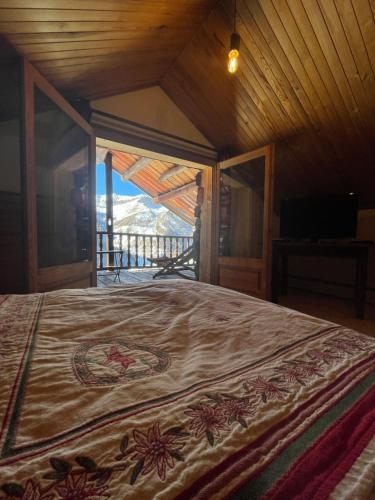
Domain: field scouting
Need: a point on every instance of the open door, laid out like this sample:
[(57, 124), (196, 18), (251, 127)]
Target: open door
[(244, 186), (59, 188)]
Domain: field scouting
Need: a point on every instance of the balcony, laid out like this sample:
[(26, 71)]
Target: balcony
[(124, 258)]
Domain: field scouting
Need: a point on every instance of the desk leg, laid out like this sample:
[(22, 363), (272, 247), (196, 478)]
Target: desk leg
[(360, 285)]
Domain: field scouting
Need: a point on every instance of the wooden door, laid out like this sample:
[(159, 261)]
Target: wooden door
[(59, 189), (244, 186)]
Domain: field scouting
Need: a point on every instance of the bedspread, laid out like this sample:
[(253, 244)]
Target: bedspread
[(178, 389)]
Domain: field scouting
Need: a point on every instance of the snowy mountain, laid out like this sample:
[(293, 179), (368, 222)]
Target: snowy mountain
[(139, 215)]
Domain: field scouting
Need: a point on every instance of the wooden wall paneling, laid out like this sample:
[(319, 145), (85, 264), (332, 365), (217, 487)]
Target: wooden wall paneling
[(12, 254), (29, 180)]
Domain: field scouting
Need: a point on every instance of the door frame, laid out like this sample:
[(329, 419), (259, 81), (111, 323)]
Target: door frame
[(268, 152), (49, 277)]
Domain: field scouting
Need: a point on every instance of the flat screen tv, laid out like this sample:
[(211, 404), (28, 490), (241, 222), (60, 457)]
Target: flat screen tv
[(333, 217)]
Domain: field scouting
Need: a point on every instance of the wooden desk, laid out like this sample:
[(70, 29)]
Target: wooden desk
[(281, 250)]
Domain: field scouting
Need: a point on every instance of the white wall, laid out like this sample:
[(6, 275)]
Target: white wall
[(151, 107)]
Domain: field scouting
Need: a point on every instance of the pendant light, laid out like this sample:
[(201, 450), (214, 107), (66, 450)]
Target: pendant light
[(234, 53)]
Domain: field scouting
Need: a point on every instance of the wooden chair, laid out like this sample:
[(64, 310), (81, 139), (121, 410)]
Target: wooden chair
[(185, 261)]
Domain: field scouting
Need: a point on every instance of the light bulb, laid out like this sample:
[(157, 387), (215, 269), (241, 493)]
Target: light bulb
[(233, 60)]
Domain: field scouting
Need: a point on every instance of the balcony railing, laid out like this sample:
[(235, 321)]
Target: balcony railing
[(128, 250)]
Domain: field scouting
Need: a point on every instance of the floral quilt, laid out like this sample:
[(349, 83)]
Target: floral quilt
[(178, 389)]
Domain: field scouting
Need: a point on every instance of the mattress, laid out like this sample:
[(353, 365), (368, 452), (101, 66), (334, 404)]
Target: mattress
[(177, 389)]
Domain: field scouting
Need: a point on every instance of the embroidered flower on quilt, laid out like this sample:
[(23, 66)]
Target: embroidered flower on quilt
[(308, 369), (348, 345), (207, 419), (156, 451), (325, 356), (79, 487), (31, 491), (299, 371), (291, 373), (266, 389), (237, 409)]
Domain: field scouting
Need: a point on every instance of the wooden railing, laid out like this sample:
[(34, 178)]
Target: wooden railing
[(136, 250)]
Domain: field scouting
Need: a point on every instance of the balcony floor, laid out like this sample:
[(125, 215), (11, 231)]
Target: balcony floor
[(128, 276)]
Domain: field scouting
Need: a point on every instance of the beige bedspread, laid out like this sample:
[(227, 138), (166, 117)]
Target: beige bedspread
[(178, 388)]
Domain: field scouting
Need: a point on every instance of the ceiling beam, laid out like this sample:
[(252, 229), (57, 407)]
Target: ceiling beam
[(137, 166), (100, 154), (173, 193), (177, 169)]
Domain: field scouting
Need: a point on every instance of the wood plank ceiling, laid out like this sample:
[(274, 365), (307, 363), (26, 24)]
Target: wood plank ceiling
[(150, 180), (93, 48), (306, 79)]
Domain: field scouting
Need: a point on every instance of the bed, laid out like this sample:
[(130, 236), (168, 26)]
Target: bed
[(177, 389)]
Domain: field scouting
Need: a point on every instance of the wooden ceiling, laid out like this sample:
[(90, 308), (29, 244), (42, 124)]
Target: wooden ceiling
[(94, 48), (149, 180), (306, 79)]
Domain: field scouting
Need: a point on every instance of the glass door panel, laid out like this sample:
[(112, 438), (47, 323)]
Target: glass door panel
[(245, 195), (242, 209), (62, 185)]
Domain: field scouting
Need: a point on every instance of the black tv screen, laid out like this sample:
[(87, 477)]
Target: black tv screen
[(330, 217)]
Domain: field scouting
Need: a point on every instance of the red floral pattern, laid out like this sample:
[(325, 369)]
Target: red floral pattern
[(237, 409), (33, 491), (155, 450), (78, 488), (207, 419), (346, 344), (265, 388), (325, 356)]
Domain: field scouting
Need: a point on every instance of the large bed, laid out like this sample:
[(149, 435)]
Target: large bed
[(178, 389)]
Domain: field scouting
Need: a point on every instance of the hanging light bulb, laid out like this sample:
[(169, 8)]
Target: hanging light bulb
[(234, 53)]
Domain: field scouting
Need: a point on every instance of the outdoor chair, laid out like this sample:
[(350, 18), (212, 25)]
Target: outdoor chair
[(185, 261)]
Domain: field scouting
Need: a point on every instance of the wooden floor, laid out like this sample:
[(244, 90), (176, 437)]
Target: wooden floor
[(339, 311), (128, 276)]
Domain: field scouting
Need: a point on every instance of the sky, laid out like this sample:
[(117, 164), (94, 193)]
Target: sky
[(119, 187)]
